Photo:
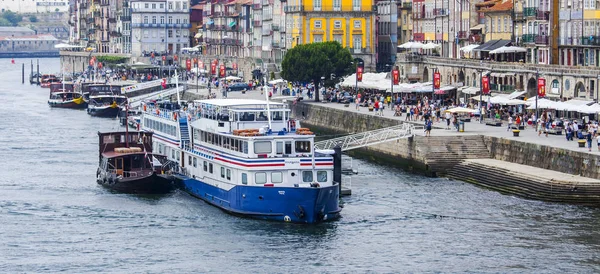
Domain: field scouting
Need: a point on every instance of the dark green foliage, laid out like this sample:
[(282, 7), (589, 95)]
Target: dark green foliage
[(107, 60), (310, 62), (13, 18), (33, 19)]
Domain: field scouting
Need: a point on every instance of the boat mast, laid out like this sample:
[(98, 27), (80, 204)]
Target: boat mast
[(127, 124), (177, 88), (267, 97), (63, 77)]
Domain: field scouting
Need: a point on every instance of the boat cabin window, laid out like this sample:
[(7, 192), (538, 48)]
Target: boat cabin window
[(321, 176), (136, 161), (173, 153), (244, 178), (307, 176), (222, 172), (205, 166), (277, 115), (224, 141), (276, 177), (210, 168), (195, 162), (260, 178), (228, 174), (279, 148), (288, 147), (262, 116), (302, 146), (262, 147), (190, 160), (246, 117)]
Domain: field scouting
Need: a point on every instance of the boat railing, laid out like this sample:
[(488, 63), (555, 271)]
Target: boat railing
[(173, 167), (125, 174)]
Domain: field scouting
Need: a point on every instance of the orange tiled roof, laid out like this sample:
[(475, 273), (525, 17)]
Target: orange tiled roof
[(486, 3), (505, 5)]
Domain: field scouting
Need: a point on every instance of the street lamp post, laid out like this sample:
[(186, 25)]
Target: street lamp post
[(481, 97), (537, 80)]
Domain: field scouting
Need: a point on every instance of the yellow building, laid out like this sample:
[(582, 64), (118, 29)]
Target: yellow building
[(498, 20), (405, 22), (350, 22)]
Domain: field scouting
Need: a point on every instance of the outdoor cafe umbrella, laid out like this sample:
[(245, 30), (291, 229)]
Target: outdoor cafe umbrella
[(461, 110), (430, 45)]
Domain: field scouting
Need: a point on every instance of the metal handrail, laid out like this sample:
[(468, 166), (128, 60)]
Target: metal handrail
[(369, 138)]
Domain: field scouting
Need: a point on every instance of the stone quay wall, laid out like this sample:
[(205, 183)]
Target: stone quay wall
[(552, 158)]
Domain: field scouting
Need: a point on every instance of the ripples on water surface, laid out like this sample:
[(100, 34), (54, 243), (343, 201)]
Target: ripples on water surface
[(54, 217)]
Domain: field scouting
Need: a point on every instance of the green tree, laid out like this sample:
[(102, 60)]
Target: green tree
[(12, 17), (310, 62), (4, 22), (33, 19)]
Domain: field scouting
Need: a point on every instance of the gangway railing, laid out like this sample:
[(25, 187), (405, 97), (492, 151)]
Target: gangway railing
[(137, 101), (369, 138)]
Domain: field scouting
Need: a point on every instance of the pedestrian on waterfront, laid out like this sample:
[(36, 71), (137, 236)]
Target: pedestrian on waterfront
[(428, 124), (448, 117), (518, 121), (569, 132), (589, 140), (510, 122), (540, 127), (376, 107)]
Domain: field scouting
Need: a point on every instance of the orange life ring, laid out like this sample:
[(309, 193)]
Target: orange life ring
[(144, 107)]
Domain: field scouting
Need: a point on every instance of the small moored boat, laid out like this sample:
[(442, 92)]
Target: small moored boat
[(128, 165)]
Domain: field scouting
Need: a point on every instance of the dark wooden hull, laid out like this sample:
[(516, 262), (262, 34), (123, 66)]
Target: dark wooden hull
[(67, 104), (106, 112), (151, 184)]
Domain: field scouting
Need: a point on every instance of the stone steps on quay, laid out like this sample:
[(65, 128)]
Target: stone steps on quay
[(528, 182)]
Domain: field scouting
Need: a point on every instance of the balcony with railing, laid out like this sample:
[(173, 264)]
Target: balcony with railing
[(275, 27), (542, 15), (498, 87), (590, 41), (440, 12), (528, 38), (541, 39), (518, 16), (328, 8), (406, 5), (125, 18), (529, 12)]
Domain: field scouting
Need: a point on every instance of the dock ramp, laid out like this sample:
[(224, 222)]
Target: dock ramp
[(369, 138)]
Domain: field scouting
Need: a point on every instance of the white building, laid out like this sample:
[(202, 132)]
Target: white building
[(34, 6), (159, 26)]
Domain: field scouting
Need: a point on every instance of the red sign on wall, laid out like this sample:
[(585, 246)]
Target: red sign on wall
[(485, 85), (213, 69), (541, 87), (188, 64), (396, 76), (359, 74), (437, 79), (222, 70)]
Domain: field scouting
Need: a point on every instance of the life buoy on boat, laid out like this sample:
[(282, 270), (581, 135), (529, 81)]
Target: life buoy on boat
[(144, 107), (175, 116)]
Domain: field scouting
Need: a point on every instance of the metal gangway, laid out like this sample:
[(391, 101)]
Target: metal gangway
[(369, 138), (137, 101)]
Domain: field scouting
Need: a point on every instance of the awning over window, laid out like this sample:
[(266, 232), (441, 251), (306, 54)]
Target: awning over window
[(477, 27), (498, 44)]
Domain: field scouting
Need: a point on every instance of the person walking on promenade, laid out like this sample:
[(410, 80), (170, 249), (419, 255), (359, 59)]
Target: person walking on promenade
[(428, 124), (589, 140), (510, 121), (448, 117), (376, 107), (518, 121), (540, 127), (569, 133)]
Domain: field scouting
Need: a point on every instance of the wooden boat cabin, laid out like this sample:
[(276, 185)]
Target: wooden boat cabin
[(126, 154)]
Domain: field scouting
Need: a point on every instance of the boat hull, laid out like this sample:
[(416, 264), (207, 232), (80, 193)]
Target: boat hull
[(151, 184), (107, 112), (67, 104), (287, 204)]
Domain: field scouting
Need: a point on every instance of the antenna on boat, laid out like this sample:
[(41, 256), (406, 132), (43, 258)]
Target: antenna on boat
[(267, 97), (177, 88)]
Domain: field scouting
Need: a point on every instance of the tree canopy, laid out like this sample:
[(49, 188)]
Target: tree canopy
[(13, 18), (310, 62)]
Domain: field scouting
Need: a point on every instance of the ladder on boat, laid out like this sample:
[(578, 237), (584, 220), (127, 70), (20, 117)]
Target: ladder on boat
[(369, 138), (137, 101), (184, 132)]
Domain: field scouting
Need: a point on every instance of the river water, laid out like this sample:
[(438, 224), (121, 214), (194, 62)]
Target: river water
[(54, 217)]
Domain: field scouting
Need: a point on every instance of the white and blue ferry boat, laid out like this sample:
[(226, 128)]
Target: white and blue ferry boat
[(247, 158)]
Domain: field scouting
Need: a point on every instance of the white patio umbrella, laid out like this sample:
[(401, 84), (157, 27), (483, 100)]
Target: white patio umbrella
[(461, 110), (431, 45), (469, 48), (416, 45), (405, 45)]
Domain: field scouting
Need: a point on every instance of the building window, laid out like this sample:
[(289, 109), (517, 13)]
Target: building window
[(170, 20), (357, 42), (356, 4), (357, 24), (153, 6), (146, 33), (317, 24), (317, 5), (162, 19), (153, 19), (162, 6), (145, 19), (146, 5), (318, 38), (337, 24), (170, 33), (337, 5), (170, 6)]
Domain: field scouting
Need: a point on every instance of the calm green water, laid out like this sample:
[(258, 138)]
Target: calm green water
[(54, 217)]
